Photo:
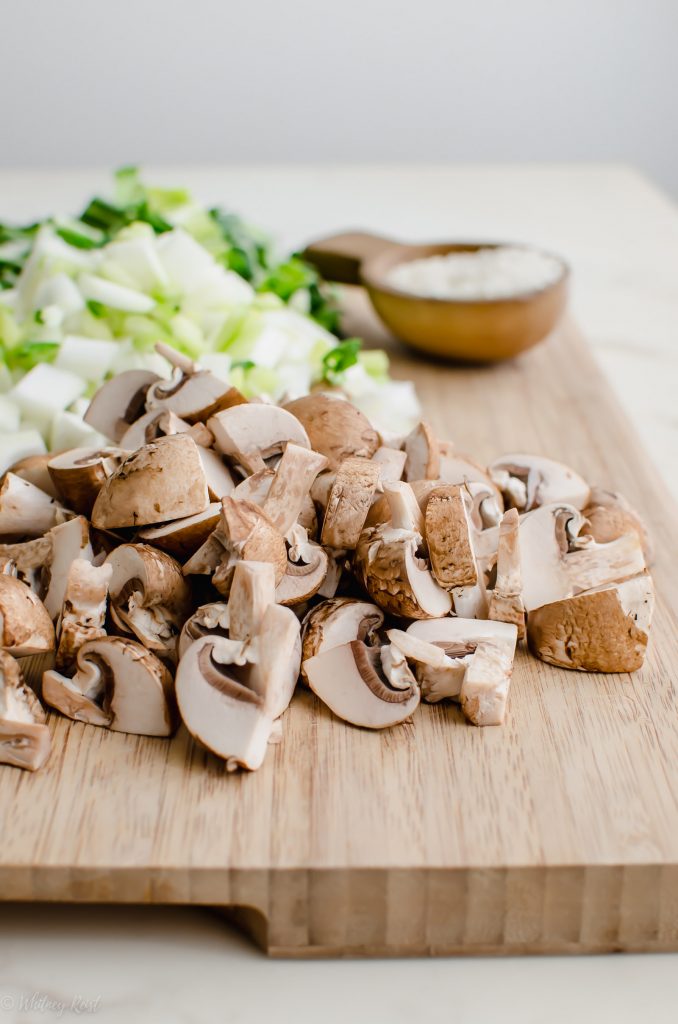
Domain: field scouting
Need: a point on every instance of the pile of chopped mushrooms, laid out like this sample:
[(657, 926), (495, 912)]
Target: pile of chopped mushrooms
[(220, 552)]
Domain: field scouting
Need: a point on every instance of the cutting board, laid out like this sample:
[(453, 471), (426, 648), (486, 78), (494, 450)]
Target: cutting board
[(557, 832)]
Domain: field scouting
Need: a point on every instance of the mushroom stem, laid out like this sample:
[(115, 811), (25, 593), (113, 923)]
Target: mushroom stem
[(252, 591)]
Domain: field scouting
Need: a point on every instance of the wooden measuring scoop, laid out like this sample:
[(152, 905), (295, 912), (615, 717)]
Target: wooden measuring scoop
[(484, 330)]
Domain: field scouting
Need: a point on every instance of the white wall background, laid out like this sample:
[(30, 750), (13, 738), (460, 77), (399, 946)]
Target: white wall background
[(85, 82)]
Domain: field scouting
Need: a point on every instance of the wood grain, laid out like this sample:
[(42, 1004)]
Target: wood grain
[(557, 832)]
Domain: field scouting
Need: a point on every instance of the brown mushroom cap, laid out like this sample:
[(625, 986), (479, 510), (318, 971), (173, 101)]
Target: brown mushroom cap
[(24, 738), (609, 516), (335, 428), (25, 625), (162, 480), (602, 630), (540, 481), (191, 393)]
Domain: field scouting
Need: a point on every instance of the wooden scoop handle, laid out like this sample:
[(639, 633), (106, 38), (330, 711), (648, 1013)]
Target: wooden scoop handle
[(339, 257)]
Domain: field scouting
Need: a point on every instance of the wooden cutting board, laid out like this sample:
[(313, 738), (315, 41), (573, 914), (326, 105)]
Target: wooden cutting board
[(557, 832)]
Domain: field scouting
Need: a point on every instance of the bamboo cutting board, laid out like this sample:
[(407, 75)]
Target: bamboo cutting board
[(557, 832)]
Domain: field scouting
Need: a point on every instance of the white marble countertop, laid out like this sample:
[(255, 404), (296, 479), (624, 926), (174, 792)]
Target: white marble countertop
[(620, 236)]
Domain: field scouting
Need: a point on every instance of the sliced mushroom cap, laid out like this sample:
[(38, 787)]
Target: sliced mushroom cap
[(217, 704), (119, 402), (25, 625), (351, 679), (487, 650), (290, 486), (602, 630), (529, 481), (609, 516), (348, 503), (162, 480), (68, 541), (25, 510), (149, 596), (244, 533), (24, 738), (423, 454), (83, 615), (181, 538), (79, 474), (34, 469), (448, 536), (506, 599), (459, 468), (192, 393), (119, 685), (338, 621), (209, 620), (306, 571), (335, 427), (251, 433), (557, 562)]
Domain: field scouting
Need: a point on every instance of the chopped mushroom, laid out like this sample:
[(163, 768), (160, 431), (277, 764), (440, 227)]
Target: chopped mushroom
[(25, 510), (290, 485), (25, 625), (609, 516), (335, 428), (306, 571), (448, 536), (423, 454), (83, 615), (557, 562), (150, 599), (69, 541), (119, 402), (24, 737), (218, 706), (79, 474), (252, 591), (250, 434), (192, 393), (244, 533), (209, 620), (363, 685), (391, 566), (34, 468), (391, 462), (181, 538), (348, 503), (529, 481), (487, 649), (338, 621), (506, 601), (160, 481), (118, 685), (601, 630)]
